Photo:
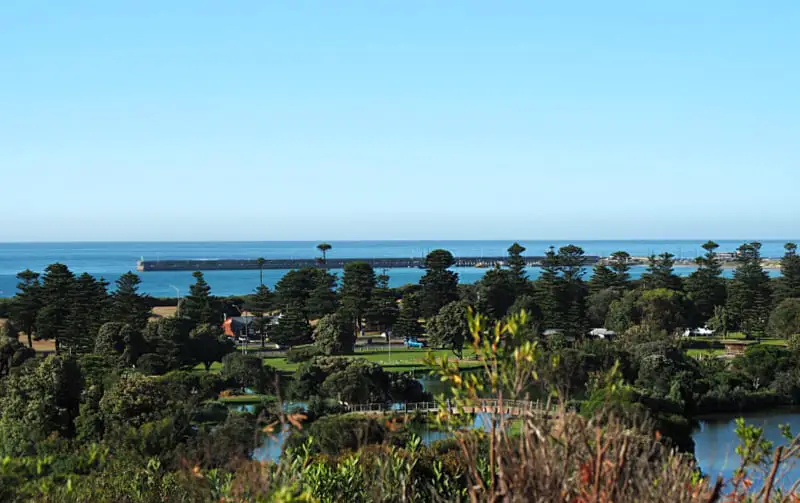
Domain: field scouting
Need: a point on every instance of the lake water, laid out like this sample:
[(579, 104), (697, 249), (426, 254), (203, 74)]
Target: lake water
[(272, 447), (110, 260), (716, 441)]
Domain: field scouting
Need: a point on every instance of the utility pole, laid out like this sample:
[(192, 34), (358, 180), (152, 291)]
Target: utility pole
[(177, 297), (246, 331)]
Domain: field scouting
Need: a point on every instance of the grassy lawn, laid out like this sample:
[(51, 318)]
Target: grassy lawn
[(244, 399), (400, 360), (774, 342), (698, 352)]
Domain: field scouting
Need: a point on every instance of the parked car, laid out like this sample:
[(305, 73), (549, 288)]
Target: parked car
[(413, 343)]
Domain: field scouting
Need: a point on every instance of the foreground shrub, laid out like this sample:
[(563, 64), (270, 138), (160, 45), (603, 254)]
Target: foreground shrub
[(303, 354)]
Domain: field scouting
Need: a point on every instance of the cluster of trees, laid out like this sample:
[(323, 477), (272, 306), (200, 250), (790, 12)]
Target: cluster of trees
[(660, 301), (52, 404), (318, 306), (119, 409), (354, 380), (83, 317)]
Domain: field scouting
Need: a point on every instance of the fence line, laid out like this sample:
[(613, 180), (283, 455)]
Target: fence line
[(508, 407)]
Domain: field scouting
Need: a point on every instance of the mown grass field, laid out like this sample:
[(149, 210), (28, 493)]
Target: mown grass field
[(714, 345), (398, 360), (244, 399)]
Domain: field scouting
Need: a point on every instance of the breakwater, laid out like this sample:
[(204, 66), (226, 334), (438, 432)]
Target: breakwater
[(331, 263)]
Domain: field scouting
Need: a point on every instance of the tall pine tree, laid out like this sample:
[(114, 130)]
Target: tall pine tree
[(620, 263), (749, 294), (788, 285), (358, 284), (383, 309), (705, 286), (516, 263), (497, 291), (58, 285), (27, 303), (660, 273), (198, 306), (322, 299), (548, 292), (88, 312), (571, 263), (408, 326), (603, 278), (293, 329), (439, 284), (127, 306)]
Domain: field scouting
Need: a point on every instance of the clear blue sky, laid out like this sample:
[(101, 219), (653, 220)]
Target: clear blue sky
[(182, 120)]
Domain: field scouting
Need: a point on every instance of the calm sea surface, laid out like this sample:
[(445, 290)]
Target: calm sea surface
[(109, 260)]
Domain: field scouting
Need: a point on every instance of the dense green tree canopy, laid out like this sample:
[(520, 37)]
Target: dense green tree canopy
[(749, 293), (449, 329), (497, 291), (57, 293), (27, 303), (39, 400), (408, 325), (292, 330), (248, 371), (199, 305), (705, 286), (439, 284), (358, 284), (335, 334), (120, 342), (383, 308), (788, 285), (312, 289), (516, 264), (785, 319), (127, 305), (12, 352), (208, 344), (661, 273)]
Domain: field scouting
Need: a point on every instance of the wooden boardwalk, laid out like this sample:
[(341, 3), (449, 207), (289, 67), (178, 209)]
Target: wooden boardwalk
[(506, 407)]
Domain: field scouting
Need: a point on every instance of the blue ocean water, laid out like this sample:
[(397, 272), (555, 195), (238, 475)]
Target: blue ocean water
[(109, 260)]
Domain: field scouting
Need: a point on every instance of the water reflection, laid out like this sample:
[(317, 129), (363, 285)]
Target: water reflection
[(272, 447), (716, 441)]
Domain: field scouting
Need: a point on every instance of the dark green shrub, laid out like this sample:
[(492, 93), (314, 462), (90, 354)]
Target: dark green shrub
[(303, 354), (152, 364)]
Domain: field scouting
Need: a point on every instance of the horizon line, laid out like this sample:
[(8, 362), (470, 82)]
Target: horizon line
[(317, 241)]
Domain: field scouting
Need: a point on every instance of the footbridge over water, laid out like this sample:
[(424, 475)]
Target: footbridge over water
[(512, 408)]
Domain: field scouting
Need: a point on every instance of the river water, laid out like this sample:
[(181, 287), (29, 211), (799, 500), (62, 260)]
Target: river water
[(715, 442)]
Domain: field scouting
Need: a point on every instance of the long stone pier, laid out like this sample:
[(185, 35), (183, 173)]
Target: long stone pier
[(330, 263)]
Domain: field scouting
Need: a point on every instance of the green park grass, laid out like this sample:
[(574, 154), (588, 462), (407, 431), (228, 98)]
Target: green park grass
[(718, 341), (398, 360), (774, 342), (244, 399)]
